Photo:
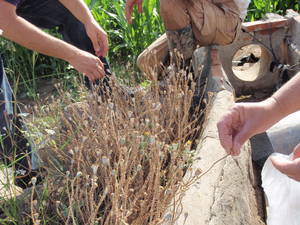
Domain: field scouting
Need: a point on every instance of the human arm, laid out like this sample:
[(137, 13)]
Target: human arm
[(24, 33), (95, 32), (129, 8), (247, 119)]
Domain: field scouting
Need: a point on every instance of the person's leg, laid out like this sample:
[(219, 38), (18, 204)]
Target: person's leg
[(151, 60), (15, 150), (214, 24), (177, 23), (50, 14)]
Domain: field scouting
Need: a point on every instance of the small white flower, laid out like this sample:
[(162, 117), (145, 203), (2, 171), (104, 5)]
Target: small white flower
[(1, 32)]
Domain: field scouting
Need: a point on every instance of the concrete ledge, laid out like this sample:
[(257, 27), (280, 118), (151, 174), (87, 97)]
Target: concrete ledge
[(264, 25), (225, 195)]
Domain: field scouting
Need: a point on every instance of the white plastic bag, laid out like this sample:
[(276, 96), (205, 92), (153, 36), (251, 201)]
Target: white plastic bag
[(283, 195)]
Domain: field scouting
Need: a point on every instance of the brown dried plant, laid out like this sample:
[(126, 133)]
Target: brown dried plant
[(121, 159)]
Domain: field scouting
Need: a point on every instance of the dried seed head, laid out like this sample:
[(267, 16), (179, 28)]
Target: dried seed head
[(95, 168), (113, 173), (33, 180), (122, 140), (139, 167), (198, 172), (130, 113), (84, 138), (79, 173), (105, 160), (147, 121), (152, 140)]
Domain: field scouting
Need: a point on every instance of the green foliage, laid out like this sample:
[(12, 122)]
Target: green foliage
[(127, 41), (258, 8)]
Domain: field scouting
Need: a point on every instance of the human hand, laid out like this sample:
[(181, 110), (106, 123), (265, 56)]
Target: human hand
[(243, 121), (98, 37), (129, 8), (291, 168), (88, 64)]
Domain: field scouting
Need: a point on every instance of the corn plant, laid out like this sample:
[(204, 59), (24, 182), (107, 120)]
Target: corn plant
[(258, 8), (127, 41)]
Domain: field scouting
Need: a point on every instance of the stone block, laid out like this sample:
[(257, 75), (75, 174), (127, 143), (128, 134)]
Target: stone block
[(225, 195), (293, 40), (269, 36)]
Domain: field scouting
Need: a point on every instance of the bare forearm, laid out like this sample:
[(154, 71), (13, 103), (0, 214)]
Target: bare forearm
[(20, 31), (287, 97), (79, 9)]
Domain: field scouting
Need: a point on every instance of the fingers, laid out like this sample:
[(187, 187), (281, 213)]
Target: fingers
[(97, 71), (225, 132), (102, 41), (229, 128), (96, 45), (291, 168), (234, 130), (296, 152), (140, 6), (239, 140), (128, 10)]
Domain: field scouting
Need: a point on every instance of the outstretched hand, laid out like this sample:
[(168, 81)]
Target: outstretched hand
[(291, 168), (129, 8)]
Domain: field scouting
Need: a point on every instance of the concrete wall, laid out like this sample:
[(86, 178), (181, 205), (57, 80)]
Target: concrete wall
[(226, 195)]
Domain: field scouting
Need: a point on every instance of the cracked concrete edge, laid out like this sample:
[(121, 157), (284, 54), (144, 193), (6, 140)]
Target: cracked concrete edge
[(225, 195)]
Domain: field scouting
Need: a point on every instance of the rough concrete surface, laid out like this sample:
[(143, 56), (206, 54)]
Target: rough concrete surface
[(225, 195)]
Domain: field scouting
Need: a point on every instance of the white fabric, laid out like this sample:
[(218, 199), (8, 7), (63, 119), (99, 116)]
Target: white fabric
[(283, 194), (243, 6)]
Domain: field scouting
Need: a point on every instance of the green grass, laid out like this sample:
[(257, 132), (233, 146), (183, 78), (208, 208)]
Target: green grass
[(258, 8)]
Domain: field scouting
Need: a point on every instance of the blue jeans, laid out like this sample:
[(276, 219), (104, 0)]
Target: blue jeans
[(47, 14)]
